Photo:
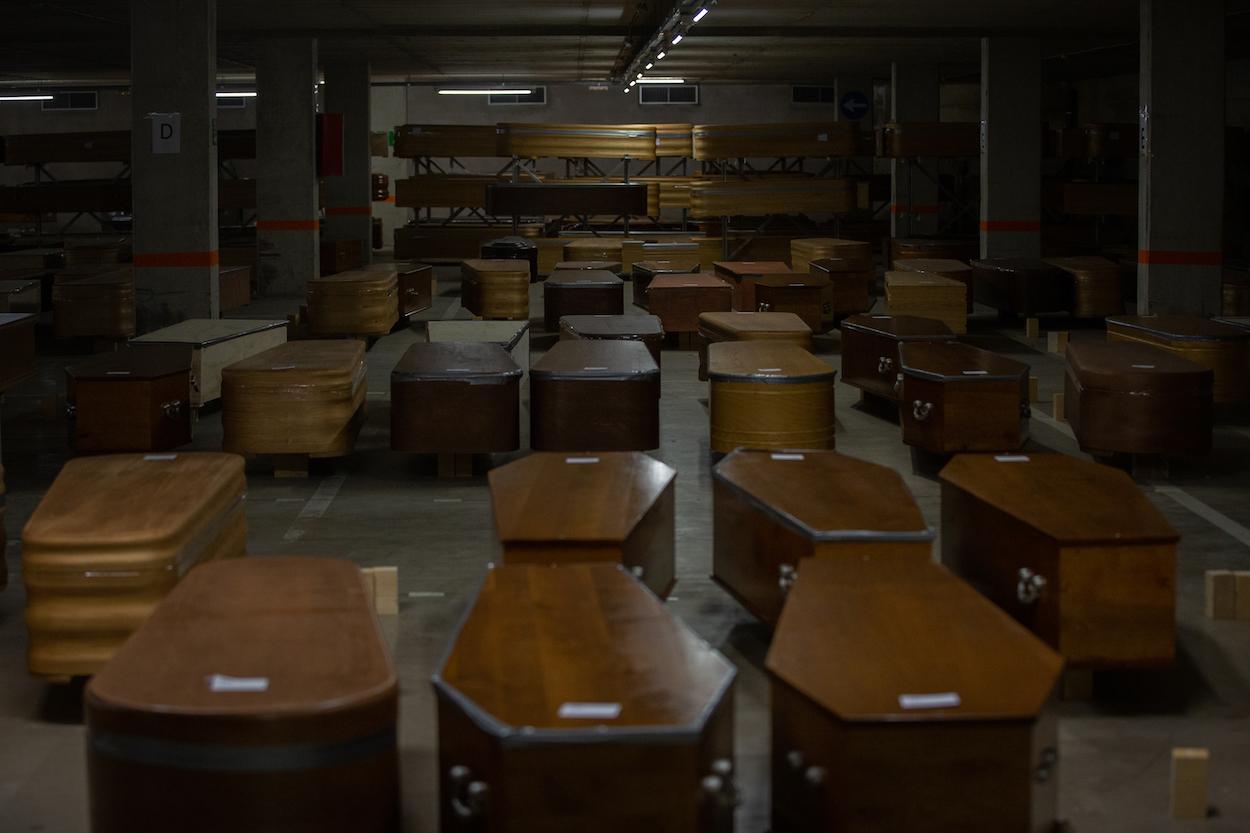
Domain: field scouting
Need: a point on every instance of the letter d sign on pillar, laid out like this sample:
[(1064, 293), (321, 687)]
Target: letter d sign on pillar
[(166, 132)]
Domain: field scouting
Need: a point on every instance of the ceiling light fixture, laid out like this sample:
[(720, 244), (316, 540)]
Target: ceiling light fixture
[(632, 83), (40, 97), (486, 92), (661, 81), (236, 94), (660, 57), (648, 66), (677, 38), (702, 14)]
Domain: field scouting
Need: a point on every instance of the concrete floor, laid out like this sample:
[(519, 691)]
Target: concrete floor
[(389, 508)]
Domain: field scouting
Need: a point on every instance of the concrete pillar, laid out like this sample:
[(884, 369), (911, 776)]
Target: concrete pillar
[(1181, 169), (173, 65), (1011, 147), (286, 188), (915, 96), (349, 198)]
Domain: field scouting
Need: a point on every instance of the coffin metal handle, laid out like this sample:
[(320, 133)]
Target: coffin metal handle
[(637, 571), (720, 784), (898, 384), (786, 574), (885, 364), (813, 776), (1026, 410), (763, 307), (1046, 766), (71, 410), (173, 409), (468, 797), (1029, 586), (921, 410)]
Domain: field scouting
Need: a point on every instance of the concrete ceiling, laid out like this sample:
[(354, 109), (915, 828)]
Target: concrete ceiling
[(546, 40)]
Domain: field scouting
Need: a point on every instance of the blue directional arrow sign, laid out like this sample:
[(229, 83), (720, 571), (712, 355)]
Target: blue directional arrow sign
[(855, 105)]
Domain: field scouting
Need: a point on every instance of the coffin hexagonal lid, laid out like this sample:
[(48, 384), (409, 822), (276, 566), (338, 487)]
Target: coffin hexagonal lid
[(769, 362), (597, 496), (946, 360), (1072, 501), (1178, 328), (612, 326), (824, 495), (876, 638), (745, 268), (746, 325), (580, 649), (1134, 367), (901, 327)]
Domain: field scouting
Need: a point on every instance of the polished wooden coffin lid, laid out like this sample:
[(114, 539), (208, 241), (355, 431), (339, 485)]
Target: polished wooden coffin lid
[(1131, 366), (356, 282), (596, 359), (1018, 266), (749, 325), (946, 360), (933, 265), (596, 496), (129, 364), (839, 247), (493, 267), (303, 626), (863, 636), (748, 268), (474, 362), (774, 362), (399, 267), (205, 332), (1069, 500), (583, 277), (507, 334), (824, 495), (784, 279), (609, 266), (12, 319), (302, 363), (613, 326), (900, 327), (135, 511), (918, 279), (699, 280), (1179, 327), (581, 650), (665, 267)]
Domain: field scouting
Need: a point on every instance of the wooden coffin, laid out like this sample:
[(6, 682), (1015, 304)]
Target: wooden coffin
[(415, 285), (581, 292), (496, 289), (1090, 566), (711, 142), (955, 270), (1095, 285), (258, 697), (1125, 397), (650, 183), (340, 256), (678, 300), (715, 327), (301, 397), (455, 398), (645, 329), (851, 255), (600, 395), (803, 294), (849, 291), (941, 727), (1116, 199), (1222, 347), (945, 248), (444, 190), (557, 711), (97, 560), (771, 509), (18, 361), (1022, 286), (769, 394), (134, 399), (21, 295), (757, 197), (213, 344), (603, 506), (910, 140), (596, 141), (361, 302), (958, 398), (416, 141), (870, 345), (613, 266), (644, 271), (742, 275), (514, 248), (928, 295), (593, 248), (674, 140), (100, 305), (686, 254), (234, 287)]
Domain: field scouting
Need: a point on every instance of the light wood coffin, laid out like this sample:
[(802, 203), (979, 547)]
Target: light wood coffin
[(361, 302), (955, 270), (558, 508), (674, 140), (594, 248), (131, 400), (414, 141), (215, 343), (715, 327), (496, 289), (1224, 348), (571, 700), (850, 255), (97, 558), (259, 697), (769, 394), (756, 197), (927, 295), (95, 304), (940, 728), (597, 141), (1070, 548), (711, 142), (870, 344), (302, 397), (772, 509), (684, 252)]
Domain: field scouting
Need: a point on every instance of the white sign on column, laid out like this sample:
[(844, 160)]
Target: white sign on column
[(166, 132)]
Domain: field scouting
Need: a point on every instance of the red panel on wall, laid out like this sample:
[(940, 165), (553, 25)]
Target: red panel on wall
[(329, 144)]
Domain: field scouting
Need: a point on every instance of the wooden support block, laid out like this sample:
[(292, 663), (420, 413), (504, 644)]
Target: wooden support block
[(290, 466), (1032, 329), (1221, 594), (1242, 580), (1189, 783), (366, 575), (1034, 396), (1056, 408), (455, 465), (1078, 684), (1057, 341), (386, 590)]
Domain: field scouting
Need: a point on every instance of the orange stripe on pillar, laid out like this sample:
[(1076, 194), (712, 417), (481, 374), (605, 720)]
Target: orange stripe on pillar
[(1011, 225), (288, 225), (156, 260), (1165, 258), (339, 210)]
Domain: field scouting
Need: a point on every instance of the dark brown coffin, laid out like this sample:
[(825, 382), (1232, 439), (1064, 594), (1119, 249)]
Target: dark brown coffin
[(340, 256), (596, 395), (805, 295), (234, 287), (903, 140), (870, 344), (18, 361), (571, 700), (613, 266), (1222, 347), (1096, 290), (1070, 548), (939, 728), (612, 506), (416, 285), (678, 300), (645, 271), (772, 509), (741, 275), (581, 292), (135, 399), (258, 697), (455, 398), (849, 290), (533, 198), (1022, 286), (959, 398), (642, 328), (1133, 398)]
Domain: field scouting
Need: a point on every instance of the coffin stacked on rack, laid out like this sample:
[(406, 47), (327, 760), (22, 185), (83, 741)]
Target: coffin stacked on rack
[(711, 142), (596, 141), (771, 195)]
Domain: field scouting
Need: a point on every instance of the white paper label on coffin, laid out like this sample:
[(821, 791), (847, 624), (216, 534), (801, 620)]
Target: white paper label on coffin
[(788, 457), (580, 461), (942, 700), (225, 684), (160, 457), (589, 711), (1011, 458)]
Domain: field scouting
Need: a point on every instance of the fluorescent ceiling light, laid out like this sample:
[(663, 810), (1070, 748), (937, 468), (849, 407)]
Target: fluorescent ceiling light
[(625, 90), (484, 92), (40, 97), (677, 39), (237, 94), (632, 83), (660, 57), (702, 14), (661, 81), (648, 66)]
